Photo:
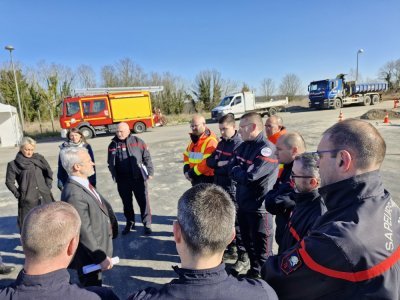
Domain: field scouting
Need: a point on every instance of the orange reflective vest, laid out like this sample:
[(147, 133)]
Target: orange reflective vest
[(196, 154), (274, 139)]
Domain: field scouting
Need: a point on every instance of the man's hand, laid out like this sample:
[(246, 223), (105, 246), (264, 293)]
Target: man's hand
[(187, 176), (106, 264), (150, 177), (222, 163)]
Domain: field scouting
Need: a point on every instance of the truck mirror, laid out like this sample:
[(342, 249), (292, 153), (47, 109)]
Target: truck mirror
[(308, 88)]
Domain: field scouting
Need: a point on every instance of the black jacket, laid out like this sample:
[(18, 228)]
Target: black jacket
[(224, 152), (352, 252), (210, 284), (255, 169), (279, 203), (309, 207), (138, 154), (53, 285), (34, 178)]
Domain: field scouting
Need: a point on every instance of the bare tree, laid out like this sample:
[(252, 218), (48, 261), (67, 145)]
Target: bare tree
[(268, 88), (290, 86), (229, 87), (86, 76), (108, 76), (130, 74)]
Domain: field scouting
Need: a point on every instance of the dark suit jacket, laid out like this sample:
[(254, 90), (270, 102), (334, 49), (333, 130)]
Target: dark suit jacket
[(95, 242)]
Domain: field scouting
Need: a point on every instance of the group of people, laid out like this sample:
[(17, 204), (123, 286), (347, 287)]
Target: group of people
[(336, 226)]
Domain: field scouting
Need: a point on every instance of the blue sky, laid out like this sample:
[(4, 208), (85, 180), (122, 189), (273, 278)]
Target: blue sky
[(244, 40)]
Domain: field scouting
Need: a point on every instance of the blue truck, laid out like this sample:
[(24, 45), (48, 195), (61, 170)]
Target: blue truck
[(336, 93)]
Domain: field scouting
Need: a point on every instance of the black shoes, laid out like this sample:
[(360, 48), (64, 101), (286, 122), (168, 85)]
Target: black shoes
[(241, 265), (4, 270), (147, 230), (231, 253), (128, 227), (252, 274)]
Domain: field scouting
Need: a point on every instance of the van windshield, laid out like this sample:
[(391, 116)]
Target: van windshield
[(225, 101), (72, 108)]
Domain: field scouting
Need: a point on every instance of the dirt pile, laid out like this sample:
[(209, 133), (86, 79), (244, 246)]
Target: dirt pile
[(379, 114)]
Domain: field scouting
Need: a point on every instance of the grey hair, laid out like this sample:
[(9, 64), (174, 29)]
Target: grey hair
[(309, 163), (26, 140), (48, 229), (69, 157), (206, 215)]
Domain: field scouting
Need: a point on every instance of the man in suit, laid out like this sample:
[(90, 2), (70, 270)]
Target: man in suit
[(49, 237), (95, 245)]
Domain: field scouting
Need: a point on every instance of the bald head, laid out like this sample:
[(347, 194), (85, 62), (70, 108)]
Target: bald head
[(198, 125), (289, 146), (273, 125), (123, 131)]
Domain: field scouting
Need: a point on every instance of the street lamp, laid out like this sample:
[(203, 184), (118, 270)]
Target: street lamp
[(358, 52), (21, 114)]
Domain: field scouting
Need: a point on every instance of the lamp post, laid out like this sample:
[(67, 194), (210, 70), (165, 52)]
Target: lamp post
[(21, 114), (358, 52)]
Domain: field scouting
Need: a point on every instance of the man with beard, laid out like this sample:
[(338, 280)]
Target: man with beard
[(202, 145)]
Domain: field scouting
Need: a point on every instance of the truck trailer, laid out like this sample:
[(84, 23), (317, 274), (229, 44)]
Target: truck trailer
[(336, 93), (240, 103), (99, 110)]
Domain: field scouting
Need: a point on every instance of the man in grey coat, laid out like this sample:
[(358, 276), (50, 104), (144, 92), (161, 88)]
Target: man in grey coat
[(95, 245)]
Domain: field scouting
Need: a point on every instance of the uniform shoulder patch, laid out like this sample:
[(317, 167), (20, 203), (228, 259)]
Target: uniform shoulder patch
[(266, 151), (291, 262)]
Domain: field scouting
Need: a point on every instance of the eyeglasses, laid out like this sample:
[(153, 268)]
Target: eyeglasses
[(195, 125), (318, 154), (300, 176)]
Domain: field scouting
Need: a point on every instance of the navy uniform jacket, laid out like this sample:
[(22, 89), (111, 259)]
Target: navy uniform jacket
[(138, 153), (53, 285), (278, 201), (255, 169), (352, 252), (210, 284), (309, 207), (224, 152)]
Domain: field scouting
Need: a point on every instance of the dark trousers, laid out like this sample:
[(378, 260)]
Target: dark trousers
[(127, 187), (257, 235), (202, 179), (91, 279), (238, 237)]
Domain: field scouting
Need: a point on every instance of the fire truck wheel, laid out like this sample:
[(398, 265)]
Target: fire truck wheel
[(139, 127), (87, 132)]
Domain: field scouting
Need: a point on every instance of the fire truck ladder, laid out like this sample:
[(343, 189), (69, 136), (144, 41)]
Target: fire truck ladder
[(100, 91)]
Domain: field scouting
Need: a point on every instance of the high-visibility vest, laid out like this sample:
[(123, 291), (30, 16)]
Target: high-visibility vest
[(196, 154)]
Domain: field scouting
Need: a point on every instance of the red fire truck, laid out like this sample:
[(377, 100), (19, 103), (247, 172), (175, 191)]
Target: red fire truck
[(99, 110)]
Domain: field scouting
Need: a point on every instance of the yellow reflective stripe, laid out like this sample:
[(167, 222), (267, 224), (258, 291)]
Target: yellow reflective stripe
[(207, 155), (195, 161), (196, 170), (204, 146), (186, 163), (186, 153)]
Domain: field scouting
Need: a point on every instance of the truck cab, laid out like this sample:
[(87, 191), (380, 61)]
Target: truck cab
[(322, 93), (233, 104)]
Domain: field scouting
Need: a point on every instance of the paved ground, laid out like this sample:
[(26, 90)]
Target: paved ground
[(147, 260)]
